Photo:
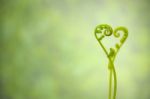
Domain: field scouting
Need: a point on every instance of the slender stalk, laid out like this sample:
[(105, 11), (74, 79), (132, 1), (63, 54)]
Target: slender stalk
[(115, 78), (112, 71), (115, 83), (110, 84)]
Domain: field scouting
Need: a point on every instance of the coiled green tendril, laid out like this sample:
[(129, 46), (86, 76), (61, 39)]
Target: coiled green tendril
[(105, 30)]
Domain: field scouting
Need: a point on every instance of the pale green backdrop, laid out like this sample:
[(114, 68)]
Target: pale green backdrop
[(48, 49)]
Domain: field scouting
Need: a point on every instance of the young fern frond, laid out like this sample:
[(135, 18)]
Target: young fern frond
[(105, 30)]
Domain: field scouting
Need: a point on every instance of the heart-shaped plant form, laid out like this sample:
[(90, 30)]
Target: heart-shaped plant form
[(102, 31)]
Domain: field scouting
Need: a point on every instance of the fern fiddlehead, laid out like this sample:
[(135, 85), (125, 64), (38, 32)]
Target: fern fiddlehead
[(105, 30)]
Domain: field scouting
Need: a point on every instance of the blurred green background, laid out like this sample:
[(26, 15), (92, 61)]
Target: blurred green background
[(48, 49)]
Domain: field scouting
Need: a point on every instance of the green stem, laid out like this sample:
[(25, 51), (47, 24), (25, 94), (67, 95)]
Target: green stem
[(112, 68), (112, 71), (115, 83), (110, 84)]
